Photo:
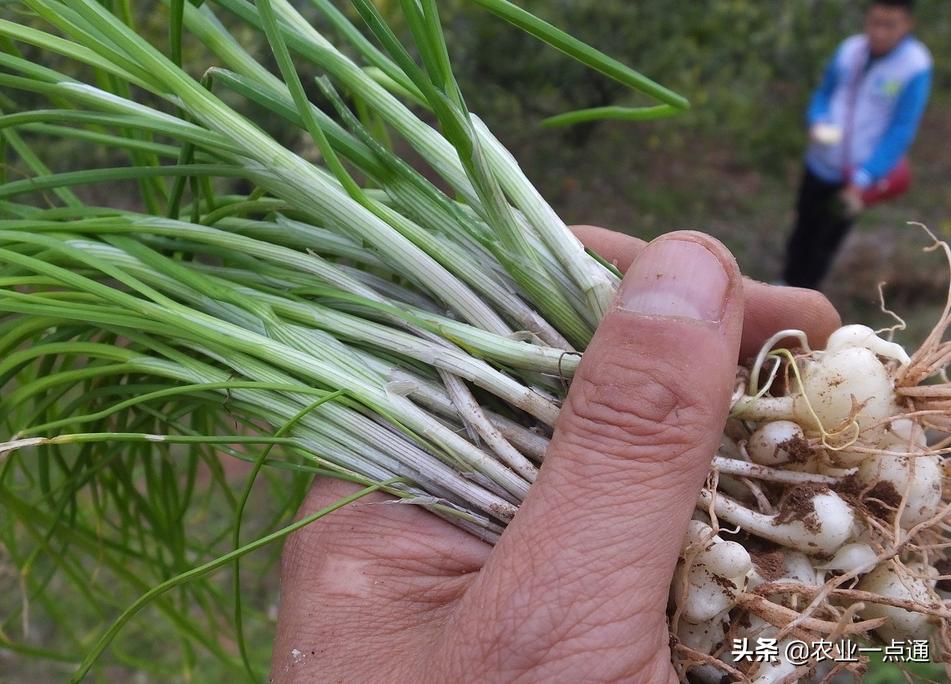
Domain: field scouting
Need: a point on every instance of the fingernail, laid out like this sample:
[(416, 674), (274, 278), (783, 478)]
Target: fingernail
[(674, 277)]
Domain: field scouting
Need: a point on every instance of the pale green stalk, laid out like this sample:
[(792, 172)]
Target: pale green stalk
[(433, 397), (472, 276), (306, 358), (446, 101), (438, 153), (440, 215), (596, 282), (470, 269), (502, 348), (347, 435), (289, 176), (474, 418), (337, 430), (442, 356), (111, 62)]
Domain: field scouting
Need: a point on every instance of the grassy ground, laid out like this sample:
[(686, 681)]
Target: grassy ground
[(168, 641)]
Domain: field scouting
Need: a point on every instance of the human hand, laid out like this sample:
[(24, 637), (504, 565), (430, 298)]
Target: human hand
[(852, 202), (576, 589)]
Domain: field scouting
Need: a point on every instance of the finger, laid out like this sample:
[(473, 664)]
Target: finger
[(769, 309), (366, 582), (577, 587), (615, 248)]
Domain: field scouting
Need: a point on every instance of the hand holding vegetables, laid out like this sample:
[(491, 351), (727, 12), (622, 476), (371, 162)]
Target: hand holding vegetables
[(570, 593), (419, 337)]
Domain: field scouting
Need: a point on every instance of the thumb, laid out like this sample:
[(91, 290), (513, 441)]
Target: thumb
[(576, 589)]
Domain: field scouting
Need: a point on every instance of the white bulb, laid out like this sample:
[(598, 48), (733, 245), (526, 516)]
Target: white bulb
[(917, 479), (847, 396), (777, 443), (901, 624), (716, 576)]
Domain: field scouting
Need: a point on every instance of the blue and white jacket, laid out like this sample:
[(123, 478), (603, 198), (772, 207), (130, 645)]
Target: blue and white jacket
[(876, 104)]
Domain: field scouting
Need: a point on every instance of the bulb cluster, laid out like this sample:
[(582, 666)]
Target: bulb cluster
[(822, 519)]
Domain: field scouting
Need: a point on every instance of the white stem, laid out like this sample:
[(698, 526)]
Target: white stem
[(731, 466), (764, 408), (433, 397), (596, 284), (819, 527), (472, 413)]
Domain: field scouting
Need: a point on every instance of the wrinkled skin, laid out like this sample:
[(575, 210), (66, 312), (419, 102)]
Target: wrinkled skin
[(576, 589)]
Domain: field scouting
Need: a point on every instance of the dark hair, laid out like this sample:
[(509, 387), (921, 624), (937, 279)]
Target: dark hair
[(908, 5)]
